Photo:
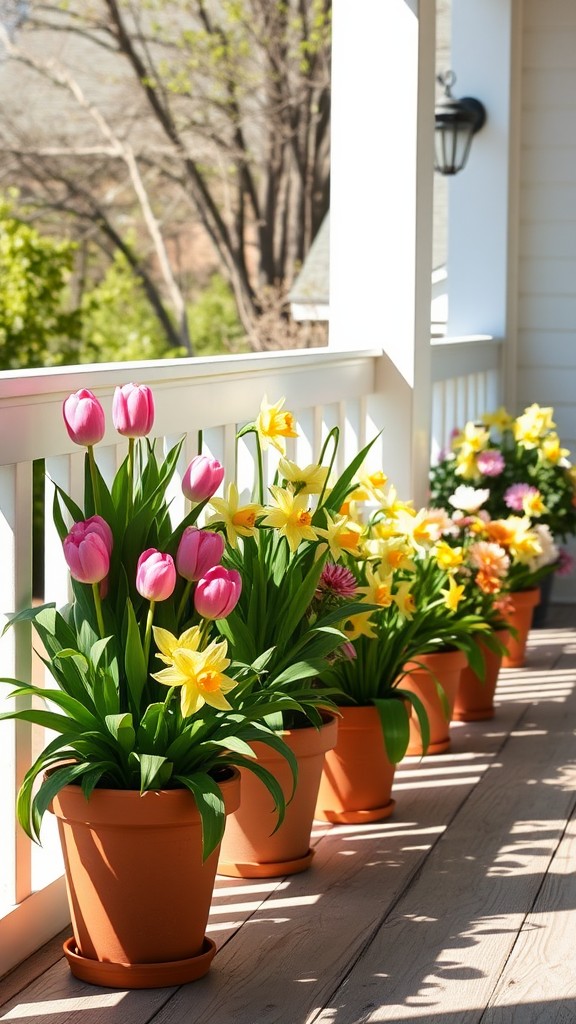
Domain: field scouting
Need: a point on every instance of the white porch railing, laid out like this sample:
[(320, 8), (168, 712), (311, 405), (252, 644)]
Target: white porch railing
[(321, 387)]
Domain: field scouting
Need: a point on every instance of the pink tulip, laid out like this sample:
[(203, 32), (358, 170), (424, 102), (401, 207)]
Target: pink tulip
[(84, 418), (217, 593), (202, 478), (95, 524), (133, 410), (198, 551), (155, 575), (86, 552)]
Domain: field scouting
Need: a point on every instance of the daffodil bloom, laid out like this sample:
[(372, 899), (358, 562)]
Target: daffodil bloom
[(359, 625), (309, 480), (423, 529), (272, 425), (516, 535), (379, 589), (404, 600), (474, 438), (446, 556), (453, 595), (396, 553), (238, 520), (551, 450), (533, 505), (501, 419), (290, 515), (466, 465), (200, 674), (532, 425), (341, 534)]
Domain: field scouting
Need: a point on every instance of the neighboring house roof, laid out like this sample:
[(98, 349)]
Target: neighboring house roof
[(310, 293)]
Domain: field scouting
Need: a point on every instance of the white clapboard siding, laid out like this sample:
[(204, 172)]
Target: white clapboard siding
[(546, 345)]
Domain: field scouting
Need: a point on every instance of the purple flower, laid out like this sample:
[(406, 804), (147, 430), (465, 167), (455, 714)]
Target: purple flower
[(336, 581), (490, 462), (515, 495), (565, 563)]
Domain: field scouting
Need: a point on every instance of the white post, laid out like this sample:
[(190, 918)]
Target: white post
[(381, 214)]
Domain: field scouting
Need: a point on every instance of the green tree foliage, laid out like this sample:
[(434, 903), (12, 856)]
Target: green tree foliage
[(35, 324), (213, 319)]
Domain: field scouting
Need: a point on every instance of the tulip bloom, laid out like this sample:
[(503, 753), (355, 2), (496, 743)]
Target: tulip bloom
[(133, 410), (84, 418), (217, 593), (87, 552), (155, 575), (198, 551), (95, 524), (202, 478)]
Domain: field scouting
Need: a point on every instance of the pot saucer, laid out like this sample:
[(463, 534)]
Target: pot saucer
[(160, 975), (265, 869), (359, 817)]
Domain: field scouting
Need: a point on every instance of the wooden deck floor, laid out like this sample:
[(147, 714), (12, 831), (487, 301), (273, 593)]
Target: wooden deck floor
[(460, 908)]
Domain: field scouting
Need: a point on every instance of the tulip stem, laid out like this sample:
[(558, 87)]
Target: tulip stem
[(98, 606), (148, 633), (93, 476), (260, 469), (183, 600), (130, 476)]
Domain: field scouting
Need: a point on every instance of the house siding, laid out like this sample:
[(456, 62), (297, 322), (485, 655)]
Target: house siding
[(546, 343)]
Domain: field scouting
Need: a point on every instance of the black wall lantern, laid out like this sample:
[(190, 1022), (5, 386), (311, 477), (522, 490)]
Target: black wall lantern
[(456, 122)]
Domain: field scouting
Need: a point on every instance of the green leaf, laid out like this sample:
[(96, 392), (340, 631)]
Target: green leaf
[(155, 771), (210, 806), (395, 722), (122, 729), (134, 661)]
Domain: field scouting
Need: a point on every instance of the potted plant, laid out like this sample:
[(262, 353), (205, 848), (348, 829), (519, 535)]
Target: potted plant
[(521, 464), (280, 636), (144, 765), (417, 620)]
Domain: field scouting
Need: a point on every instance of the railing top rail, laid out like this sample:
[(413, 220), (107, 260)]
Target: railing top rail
[(56, 379)]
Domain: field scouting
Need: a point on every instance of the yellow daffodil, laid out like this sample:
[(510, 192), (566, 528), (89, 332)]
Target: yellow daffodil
[(501, 419), (551, 451), (532, 425), (395, 554), (466, 465), (359, 625), (200, 674), (453, 595), (272, 424), (239, 520), (379, 589), (422, 530), (533, 505), (474, 438), (291, 516), (448, 557), (370, 487), (342, 534), (404, 600), (309, 480)]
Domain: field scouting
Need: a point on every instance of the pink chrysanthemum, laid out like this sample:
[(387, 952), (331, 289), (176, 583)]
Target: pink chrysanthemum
[(515, 495), (336, 581), (490, 462)]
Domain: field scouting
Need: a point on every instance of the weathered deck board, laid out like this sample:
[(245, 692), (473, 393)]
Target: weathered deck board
[(435, 915)]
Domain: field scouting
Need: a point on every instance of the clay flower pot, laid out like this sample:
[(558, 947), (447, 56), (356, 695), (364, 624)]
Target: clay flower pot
[(520, 618), (357, 779), (475, 696), (251, 848), (138, 890), (442, 667)]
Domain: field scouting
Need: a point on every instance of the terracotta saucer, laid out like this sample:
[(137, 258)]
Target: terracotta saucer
[(265, 869), (162, 975)]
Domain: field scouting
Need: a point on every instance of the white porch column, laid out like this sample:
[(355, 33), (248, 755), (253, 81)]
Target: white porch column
[(381, 213), (483, 195)]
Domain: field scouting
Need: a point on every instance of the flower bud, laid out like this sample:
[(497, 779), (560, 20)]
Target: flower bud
[(86, 553), (155, 575), (217, 593), (202, 478), (133, 410), (84, 418), (95, 524), (198, 551)]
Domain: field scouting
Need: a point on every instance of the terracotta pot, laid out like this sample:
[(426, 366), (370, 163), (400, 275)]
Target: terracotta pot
[(357, 779), (251, 848), (520, 618), (446, 667), (138, 890), (475, 696)]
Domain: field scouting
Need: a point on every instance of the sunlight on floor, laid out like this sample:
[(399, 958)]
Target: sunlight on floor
[(77, 1004)]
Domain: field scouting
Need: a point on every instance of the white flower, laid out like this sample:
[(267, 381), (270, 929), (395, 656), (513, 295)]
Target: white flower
[(468, 499), (550, 552)]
